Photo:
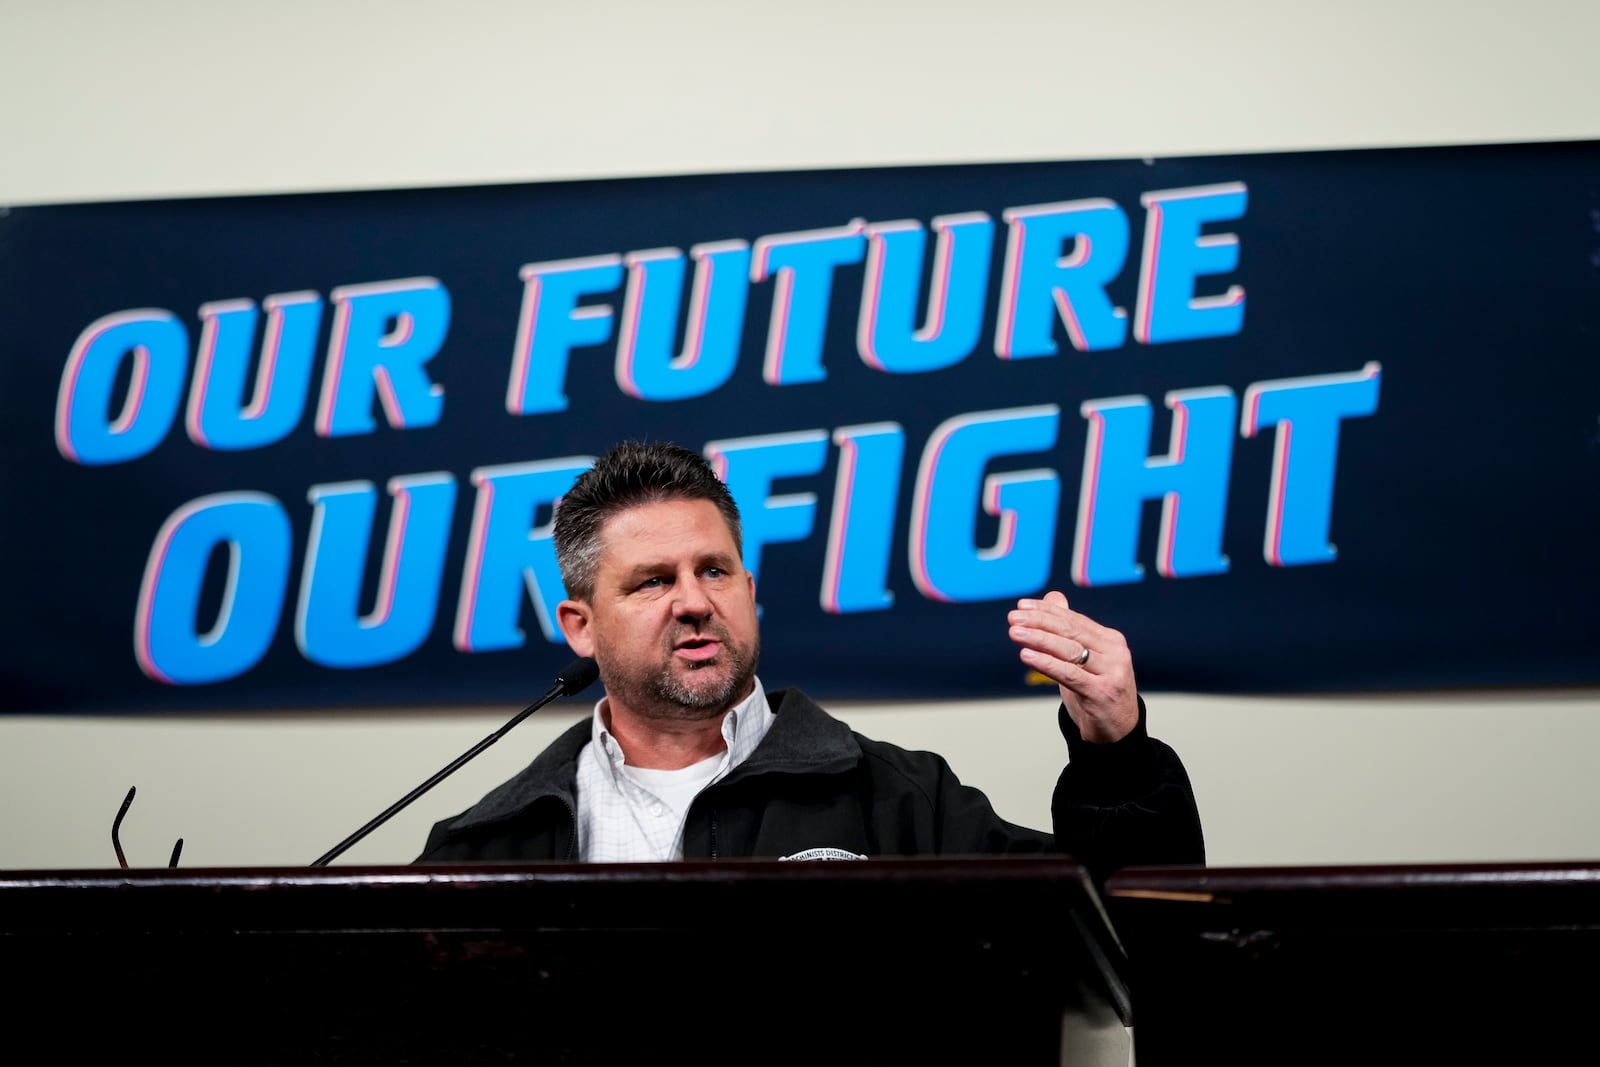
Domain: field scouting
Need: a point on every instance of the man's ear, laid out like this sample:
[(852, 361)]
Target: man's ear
[(573, 618)]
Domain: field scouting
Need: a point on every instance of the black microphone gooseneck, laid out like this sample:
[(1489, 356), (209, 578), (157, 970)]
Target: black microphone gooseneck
[(578, 676)]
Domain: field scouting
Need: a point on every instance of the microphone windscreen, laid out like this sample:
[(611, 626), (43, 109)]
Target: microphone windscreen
[(578, 675)]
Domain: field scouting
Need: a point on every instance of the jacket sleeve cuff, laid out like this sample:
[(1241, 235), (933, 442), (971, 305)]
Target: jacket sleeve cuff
[(1118, 770)]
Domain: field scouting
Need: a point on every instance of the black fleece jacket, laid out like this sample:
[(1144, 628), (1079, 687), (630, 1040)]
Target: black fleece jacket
[(815, 784)]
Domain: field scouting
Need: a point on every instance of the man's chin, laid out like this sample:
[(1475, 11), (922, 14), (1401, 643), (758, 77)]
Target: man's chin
[(706, 684)]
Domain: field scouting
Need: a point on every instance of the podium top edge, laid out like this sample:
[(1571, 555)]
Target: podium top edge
[(1197, 884), (1032, 868)]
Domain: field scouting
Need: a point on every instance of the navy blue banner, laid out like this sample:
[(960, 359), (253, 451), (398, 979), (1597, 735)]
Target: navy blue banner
[(1304, 422)]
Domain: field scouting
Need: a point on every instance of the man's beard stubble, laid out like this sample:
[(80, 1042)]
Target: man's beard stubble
[(703, 694)]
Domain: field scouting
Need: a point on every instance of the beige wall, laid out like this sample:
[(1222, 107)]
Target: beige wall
[(171, 98)]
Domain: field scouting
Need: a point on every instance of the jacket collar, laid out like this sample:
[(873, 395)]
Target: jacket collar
[(804, 739)]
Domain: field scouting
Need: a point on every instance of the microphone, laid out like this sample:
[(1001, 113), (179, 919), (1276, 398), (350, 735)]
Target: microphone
[(574, 678)]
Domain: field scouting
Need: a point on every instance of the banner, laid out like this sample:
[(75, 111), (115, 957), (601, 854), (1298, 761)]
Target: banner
[(1298, 422)]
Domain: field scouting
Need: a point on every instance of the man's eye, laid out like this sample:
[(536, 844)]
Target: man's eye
[(650, 583), (715, 572)]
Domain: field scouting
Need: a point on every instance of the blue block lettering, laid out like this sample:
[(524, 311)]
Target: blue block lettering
[(946, 561), (383, 335), (330, 627), (170, 641)]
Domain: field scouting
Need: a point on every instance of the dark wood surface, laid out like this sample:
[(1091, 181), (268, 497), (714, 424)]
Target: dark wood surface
[(1422, 964), (880, 961)]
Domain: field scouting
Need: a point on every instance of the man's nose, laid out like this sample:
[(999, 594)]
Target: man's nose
[(691, 601)]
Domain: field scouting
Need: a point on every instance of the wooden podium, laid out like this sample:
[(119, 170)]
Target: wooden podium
[(1482, 963), (926, 961)]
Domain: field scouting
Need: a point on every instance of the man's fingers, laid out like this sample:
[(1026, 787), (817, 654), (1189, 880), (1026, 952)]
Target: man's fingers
[(1055, 617)]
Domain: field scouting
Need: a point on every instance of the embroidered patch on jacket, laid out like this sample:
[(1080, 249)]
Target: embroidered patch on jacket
[(823, 854)]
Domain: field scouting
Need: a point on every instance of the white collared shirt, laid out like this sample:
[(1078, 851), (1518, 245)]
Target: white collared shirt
[(635, 814)]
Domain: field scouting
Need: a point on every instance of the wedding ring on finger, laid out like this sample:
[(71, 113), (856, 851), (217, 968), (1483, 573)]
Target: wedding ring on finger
[(1083, 657)]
